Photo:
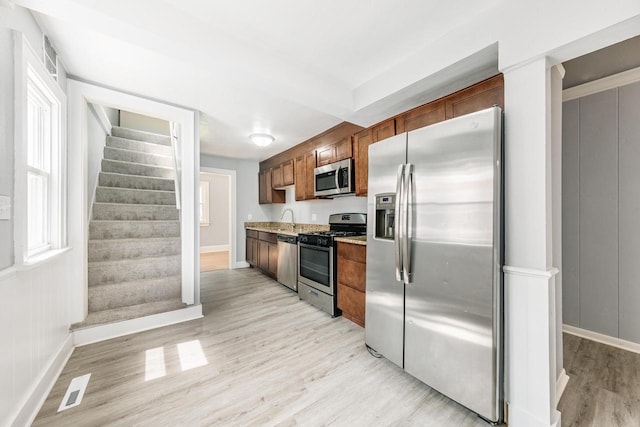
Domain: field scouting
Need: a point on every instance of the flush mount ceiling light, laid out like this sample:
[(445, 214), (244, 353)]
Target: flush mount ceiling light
[(261, 139)]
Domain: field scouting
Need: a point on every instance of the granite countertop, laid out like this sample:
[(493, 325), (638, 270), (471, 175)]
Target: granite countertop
[(355, 240), (284, 227)]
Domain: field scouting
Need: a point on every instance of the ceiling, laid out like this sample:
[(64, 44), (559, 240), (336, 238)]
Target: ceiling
[(288, 68)]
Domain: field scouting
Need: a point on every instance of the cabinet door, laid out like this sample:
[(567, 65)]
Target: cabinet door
[(301, 178), (263, 255), (262, 188), (343, 149), (425, 115), (276, 177), (254, 250), (361, 142), (326, 155), (352, 304), (249, 250), (288, 177), (273, 259), (383, 130), (310, 161), (475, 98)]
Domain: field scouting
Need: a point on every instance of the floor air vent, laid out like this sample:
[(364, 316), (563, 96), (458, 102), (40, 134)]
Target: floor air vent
[(74, 393)]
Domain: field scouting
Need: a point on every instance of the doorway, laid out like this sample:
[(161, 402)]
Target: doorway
[(217, 221)]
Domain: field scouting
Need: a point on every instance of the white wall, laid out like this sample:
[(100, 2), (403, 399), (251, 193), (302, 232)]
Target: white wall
[(142, 122), (34, 319), (217, 232), (96, 139), (247, 197), (321, 208)]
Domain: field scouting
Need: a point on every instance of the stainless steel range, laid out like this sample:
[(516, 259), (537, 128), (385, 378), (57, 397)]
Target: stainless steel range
[(317, 260)]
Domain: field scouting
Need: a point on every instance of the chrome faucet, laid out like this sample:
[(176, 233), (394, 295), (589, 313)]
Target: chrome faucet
[(293, 225)]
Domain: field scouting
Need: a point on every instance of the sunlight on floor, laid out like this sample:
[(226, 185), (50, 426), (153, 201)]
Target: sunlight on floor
[(154, 364), (191, 355)]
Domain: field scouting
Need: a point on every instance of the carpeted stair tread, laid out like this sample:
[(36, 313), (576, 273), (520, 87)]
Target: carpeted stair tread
[(129, 312), (126, 270), (128, 168), (111, 153), (105, 229), (134, 292), (134, 196), (133, 212), (117, 249), (121, 180), (139, 146), (139, 135)]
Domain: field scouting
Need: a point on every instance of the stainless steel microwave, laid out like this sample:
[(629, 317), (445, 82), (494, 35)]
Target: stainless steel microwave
[(335, 179)]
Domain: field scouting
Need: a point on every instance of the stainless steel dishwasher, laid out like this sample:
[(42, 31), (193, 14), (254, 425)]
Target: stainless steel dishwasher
[(288, 261)]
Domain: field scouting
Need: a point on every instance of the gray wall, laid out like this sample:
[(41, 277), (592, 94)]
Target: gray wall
[(19, 19), (601, 203), (217, 232), (246, 196)]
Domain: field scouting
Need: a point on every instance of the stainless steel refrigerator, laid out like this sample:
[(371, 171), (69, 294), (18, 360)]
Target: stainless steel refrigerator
[(434, 257)]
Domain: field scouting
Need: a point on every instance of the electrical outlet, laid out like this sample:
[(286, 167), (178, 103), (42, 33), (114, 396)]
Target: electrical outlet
[(5, 208), (314, 217), (249, 217)]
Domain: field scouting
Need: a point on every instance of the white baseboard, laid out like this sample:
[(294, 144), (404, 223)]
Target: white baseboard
[(241, 264), (99, 333), (41, 387), (561, 384), (603, 339), (214, 248)]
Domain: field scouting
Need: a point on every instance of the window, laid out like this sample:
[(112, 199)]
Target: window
[(204, 203), (40, 159)]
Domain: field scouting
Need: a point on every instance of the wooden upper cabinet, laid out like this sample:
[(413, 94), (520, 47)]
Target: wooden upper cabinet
[(344, 148), (383, 130), (475, 98), (361, 142), (326, 155), (335, 152), (310, 164), (288, 176), (301, 178), (276, 177), (422, 116), (266, 193)]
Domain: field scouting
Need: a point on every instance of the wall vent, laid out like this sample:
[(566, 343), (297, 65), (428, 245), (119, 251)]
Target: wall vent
[(74, 393), (50, 58)]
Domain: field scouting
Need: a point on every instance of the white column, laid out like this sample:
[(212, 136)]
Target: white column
[(530, 293)]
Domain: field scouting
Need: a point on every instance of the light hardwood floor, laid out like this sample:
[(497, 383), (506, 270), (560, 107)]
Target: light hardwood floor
[(604, 385), (271, 359), (214, 261)]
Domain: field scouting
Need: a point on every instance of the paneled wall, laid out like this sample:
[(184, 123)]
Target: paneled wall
[(601, 211)]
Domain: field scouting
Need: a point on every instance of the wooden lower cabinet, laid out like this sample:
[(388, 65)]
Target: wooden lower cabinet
[(352, 272), (262, 251), (252, 248)]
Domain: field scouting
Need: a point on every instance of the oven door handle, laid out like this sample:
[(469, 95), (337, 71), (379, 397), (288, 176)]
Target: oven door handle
[(314, 247)]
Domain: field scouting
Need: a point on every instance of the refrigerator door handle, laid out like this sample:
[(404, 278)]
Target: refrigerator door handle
[(397, 241), (407, 219)]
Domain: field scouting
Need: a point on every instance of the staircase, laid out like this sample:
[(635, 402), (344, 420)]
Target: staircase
[(134, 232)]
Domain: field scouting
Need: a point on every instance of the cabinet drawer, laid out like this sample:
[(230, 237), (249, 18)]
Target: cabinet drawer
[(352, 304), (268, 237), (252, 234), (356, 253), (352, 274)]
